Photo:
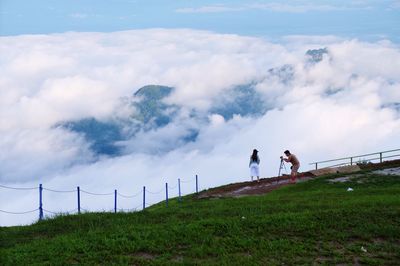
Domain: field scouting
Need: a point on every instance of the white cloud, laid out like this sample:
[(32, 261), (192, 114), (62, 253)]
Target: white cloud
[(343, 105), (394, 5), (300, 7), (209, 9), (290, 8), (79, 15)]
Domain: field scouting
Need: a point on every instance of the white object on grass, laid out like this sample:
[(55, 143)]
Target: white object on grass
[(349, 189)]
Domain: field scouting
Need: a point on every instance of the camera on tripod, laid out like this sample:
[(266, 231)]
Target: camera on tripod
[(281, 166)]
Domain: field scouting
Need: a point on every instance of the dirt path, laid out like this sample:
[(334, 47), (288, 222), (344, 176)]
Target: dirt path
[(252, 188)]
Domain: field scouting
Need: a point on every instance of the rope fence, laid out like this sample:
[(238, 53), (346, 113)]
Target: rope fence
[(25, 212), (19, 188), (97, 194), (59, 191), (41, 211), (174, 187), (155, 193), (130, 196), (188, 181)]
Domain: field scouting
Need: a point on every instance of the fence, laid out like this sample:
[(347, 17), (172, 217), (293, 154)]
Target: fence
[(41, 210), (360, 159)]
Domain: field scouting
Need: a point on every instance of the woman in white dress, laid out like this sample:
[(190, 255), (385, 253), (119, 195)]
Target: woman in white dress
[(254, 165)]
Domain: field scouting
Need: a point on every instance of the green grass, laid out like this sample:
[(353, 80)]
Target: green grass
[(315, 222)]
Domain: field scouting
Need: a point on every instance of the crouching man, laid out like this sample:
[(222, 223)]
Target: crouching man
[(291, 158)]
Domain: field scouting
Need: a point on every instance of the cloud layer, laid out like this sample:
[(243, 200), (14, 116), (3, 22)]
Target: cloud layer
[(300, 7), (346, 104)]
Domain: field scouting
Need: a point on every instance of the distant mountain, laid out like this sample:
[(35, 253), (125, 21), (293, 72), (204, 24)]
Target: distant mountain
[(285, 73), (153, 92), (316, 55), (101, 135), (241, 100), (394, 105), (148, 112), (151, 109)]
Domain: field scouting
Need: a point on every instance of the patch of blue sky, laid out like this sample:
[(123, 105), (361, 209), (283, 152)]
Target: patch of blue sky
[(363, 19)]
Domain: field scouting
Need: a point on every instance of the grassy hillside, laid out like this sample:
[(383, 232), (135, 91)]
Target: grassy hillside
[(315, 222)]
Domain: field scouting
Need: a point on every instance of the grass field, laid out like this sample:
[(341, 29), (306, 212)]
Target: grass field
[(315, 222)]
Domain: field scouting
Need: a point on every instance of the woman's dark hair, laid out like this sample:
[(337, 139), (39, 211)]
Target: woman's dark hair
[(287, 152), (254, 156)]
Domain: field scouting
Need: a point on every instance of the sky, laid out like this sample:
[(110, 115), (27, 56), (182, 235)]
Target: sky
[(364, 19), (70, 60)]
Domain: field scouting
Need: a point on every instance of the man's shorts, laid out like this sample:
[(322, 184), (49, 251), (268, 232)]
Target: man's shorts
[(295, 169)]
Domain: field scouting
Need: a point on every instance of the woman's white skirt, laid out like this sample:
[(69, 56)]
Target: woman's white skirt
[(254, 170)]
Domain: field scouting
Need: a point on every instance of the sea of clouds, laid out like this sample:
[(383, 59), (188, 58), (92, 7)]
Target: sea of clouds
[(347, 104)]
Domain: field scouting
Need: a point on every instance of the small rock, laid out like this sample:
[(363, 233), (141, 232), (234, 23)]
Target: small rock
[(243, 218), (363, 249), (349, 189)]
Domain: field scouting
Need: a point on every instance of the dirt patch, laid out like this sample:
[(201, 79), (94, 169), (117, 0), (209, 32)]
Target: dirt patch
[(144, 255), (389, 171), (322, 260), (177, 259), (340, 179), (265, 185), (378, 240), (343, 179)]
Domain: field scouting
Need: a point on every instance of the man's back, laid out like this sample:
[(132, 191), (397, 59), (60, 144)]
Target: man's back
[(293, 159)]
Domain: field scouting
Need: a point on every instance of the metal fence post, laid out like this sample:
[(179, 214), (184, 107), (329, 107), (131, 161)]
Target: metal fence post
[(166, 194), (144, 197), (380, 157), (179, 189), (115, 201), (40, 202), (316, 166), (79, 199), (197, 185), (351, 160)]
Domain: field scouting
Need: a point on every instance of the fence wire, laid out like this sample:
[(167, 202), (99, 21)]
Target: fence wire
[(130, 196), (172, 187), (158, 192), (61, 212), (188, 181), (97, 194), (25, 212), (60, 191), (19, 188)]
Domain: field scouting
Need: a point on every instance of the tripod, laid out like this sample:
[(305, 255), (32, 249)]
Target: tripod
[(281, 166)]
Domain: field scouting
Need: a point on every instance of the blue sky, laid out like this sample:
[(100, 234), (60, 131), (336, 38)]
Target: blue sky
[(363, 19)]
